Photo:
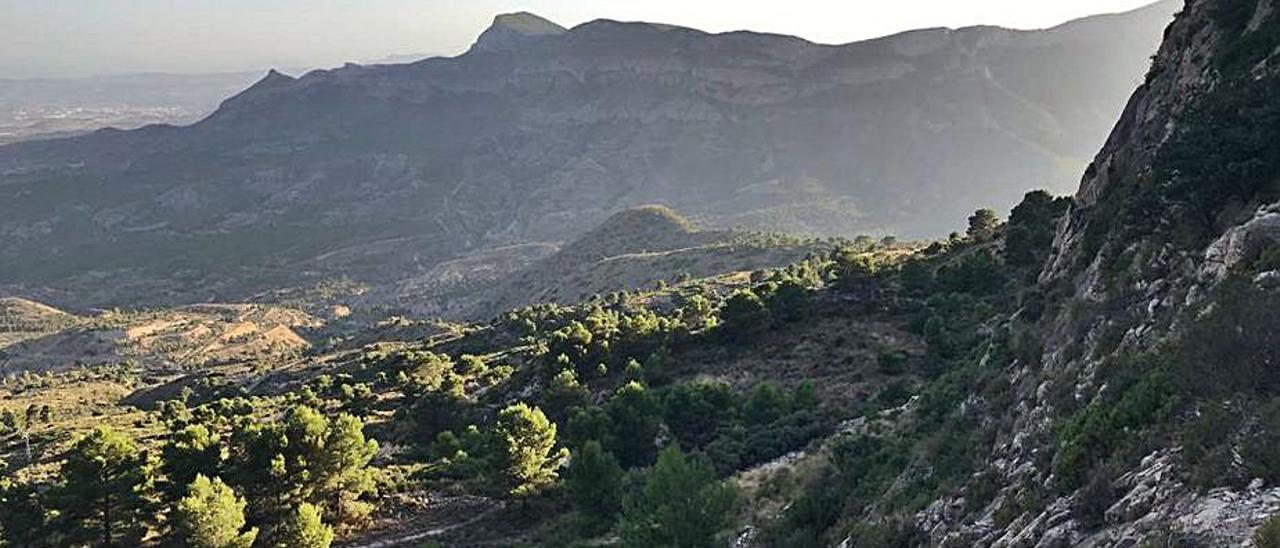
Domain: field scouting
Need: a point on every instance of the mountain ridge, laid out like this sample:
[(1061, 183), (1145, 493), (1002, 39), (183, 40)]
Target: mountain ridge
[(454, 156)]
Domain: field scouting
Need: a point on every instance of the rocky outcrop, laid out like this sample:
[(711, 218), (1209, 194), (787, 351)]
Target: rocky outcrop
[(1141, 252), (1241, 243), (514, 30)]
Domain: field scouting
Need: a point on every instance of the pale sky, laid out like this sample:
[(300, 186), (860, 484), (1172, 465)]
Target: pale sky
[(59, 38)]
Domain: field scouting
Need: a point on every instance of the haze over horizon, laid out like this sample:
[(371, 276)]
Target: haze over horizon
[(63, 38)]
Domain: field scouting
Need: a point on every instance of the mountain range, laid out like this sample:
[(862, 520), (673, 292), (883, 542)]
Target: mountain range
[(1097, 370), (539, 133)]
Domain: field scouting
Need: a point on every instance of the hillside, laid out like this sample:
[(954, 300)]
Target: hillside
[(639, 248), (539, 133), (634, 248), (21, 319), (169, 340)]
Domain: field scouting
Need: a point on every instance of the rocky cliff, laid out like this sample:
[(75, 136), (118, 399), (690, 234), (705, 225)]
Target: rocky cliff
[(1146, 415)]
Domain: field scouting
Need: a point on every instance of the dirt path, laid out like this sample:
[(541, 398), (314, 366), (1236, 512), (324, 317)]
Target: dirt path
[(402, 538)]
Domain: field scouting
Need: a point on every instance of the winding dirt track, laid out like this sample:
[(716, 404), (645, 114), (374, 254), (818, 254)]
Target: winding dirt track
[(403, 538)]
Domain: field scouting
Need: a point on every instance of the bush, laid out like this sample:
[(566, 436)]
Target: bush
[(1091, 503), (634, 420), (303, 528), (1225, 149), (1206, 446), (891, 362), (1261, 453), (594, 481), (212, 516), (1268, 534), (695, 412), (1233, 347), (436, 412), (766, 403), (525, 441), (744, 313), (979, 273), (1113, 422)]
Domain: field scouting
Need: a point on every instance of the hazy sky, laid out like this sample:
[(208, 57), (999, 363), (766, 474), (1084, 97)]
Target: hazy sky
[(50, 38)]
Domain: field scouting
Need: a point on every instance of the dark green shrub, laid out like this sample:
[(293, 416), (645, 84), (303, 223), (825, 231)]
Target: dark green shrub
[(1206, 446), (979, 273), (1268, 534), (696, 411), (1114, 422), (891, 361), (1234, 347), (594, 481), (635, 416), (1261, 452), (1090, 505), (743, 314), (766, 402), (1225, 150)]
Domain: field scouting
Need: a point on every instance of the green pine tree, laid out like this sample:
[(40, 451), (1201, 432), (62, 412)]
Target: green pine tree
[(212, 516), (304, 458), (343, 473), (594, 481), (681, 505), (983, 225), (192, 451), (635, 417), (104, 495), (525, 440), (304, 528), (22, 515)]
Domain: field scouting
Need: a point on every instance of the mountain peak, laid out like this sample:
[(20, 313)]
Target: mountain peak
[(511, 30), (273, 79)]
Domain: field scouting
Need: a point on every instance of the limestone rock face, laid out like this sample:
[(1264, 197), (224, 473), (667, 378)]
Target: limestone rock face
[(1146, 243), (514, 30), (1241, 243)]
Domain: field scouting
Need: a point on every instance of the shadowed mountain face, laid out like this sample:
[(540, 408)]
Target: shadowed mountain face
[(539, 133)]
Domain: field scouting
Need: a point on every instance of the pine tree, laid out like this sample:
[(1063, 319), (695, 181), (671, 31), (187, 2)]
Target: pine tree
[(104, 494), (983, 225), (212, 516), (525, 440), (635, 417), (22, 515), (1031, 229), (344, 474), (564, 393), (192, 451), (681, 505), (594, 481), (305, 458), (304, 528)]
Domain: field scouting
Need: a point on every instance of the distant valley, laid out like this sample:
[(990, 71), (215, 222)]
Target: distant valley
[(48, 108)]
